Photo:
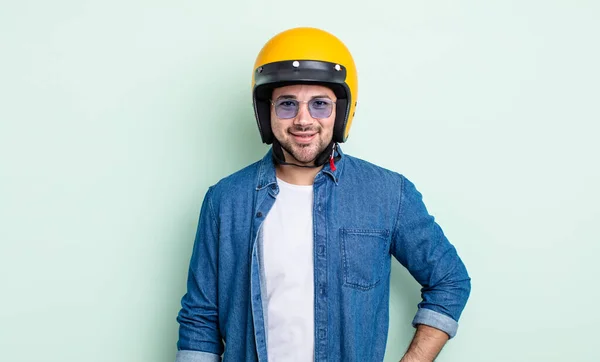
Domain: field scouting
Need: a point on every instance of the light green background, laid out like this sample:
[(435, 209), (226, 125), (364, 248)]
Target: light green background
[(117, 115)]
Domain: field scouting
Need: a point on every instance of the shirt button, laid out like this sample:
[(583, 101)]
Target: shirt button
[(259, 214), (320, 249)]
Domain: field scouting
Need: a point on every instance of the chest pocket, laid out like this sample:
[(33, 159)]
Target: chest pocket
[(364, 255)]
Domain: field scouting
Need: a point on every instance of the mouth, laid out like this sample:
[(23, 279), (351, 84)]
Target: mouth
[(302, 137)]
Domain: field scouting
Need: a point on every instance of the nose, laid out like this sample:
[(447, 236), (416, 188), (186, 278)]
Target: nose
[(303, 117)]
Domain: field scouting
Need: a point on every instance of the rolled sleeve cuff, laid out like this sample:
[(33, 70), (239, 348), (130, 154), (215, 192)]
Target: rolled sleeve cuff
[(436, 320), (196, 356)]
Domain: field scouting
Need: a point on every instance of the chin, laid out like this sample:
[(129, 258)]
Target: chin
[(305, 157), (303, 153)]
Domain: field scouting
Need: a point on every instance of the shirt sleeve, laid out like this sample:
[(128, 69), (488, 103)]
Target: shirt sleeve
[(196, 356), (420, 245), (198, 317)]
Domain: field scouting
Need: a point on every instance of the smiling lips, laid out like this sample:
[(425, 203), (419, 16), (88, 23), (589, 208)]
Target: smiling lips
[(303, 137)]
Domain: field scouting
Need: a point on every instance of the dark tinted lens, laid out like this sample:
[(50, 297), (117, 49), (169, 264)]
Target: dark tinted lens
[(320, 107), (286, 108)]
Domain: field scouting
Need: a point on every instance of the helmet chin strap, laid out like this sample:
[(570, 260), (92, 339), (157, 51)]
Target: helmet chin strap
[(327, 154)]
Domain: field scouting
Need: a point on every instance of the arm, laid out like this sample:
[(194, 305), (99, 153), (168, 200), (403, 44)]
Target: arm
[(420, 245), (426, 345), (199, 336)]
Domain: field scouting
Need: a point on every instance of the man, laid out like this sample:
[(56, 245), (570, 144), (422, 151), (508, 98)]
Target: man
[(292, 255)]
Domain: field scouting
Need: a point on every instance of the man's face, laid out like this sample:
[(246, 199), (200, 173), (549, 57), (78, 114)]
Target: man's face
[(303, 137)]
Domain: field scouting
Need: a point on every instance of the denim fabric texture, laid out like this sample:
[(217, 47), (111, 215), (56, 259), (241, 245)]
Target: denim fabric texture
[(363, 216)]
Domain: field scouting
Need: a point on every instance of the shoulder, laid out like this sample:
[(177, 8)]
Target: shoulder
[(381, 177), (361, 169), (236, 184)]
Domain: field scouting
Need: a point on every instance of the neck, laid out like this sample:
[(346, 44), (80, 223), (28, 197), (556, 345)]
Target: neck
[(297, 175)]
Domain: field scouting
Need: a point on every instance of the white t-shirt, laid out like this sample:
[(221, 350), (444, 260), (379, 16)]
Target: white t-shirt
[(288, 266)]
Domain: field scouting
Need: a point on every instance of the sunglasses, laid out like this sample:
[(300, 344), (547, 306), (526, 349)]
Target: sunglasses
[(287, 108)]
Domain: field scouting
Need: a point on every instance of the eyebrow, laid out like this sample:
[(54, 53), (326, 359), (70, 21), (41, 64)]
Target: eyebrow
[(290, 96)]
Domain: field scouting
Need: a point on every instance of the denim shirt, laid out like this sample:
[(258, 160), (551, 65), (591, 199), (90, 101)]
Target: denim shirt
[(362, 216)]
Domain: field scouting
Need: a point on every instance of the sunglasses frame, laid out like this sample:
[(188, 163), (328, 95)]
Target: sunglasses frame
[(298, 108)]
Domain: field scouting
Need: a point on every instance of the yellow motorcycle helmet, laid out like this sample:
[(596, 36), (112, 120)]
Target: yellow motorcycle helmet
[(305, 56)]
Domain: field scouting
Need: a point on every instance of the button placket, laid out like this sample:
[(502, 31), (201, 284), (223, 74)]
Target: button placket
[(320, 270)]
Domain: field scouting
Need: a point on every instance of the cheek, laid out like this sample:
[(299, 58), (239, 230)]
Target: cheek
[(330, 122), (274, 123), (328, 125), (277, 126)]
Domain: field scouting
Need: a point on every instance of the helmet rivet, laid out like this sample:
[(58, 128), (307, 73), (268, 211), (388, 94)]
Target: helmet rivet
[(260, 69), (296, 64), (337, 67)]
